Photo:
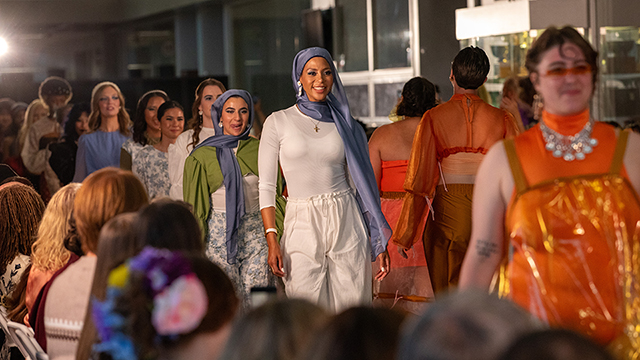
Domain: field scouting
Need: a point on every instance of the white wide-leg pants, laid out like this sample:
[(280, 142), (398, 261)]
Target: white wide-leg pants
[(326, 251)]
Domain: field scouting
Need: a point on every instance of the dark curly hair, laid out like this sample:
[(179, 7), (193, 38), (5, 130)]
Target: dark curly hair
[(418, 96), (470, 67), (139, 121)]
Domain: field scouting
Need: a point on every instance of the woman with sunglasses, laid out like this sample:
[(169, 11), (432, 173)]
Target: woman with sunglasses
[(558, 214)]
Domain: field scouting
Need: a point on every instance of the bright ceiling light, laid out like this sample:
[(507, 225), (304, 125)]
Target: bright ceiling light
[(4, 47)]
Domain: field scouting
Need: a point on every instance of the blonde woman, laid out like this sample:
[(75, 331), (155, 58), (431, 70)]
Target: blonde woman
[(48, 253), (35, 111), (109, 128)]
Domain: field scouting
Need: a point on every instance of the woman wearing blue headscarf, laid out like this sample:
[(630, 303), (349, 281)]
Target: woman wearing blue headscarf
[(221, 182), (333, 225)]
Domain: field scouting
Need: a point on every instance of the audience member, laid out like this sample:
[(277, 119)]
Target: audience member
[(278, 330), (21, 209), (48, 253), (359, 333), (464, 326), (163, 224), (6, 125), (63, 154), (555, 344), (200, 128), (146, 126), (109, 128), (10, 144), (165, 305), (103, 195), (151, 164)]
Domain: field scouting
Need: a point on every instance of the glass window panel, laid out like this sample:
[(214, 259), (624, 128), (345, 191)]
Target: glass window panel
[(358, 96), (387, 96), (351, 35), (392, 35)]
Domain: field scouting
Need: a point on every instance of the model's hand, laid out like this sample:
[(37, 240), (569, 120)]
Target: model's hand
[(275, 256), (402, 252), (385, 266)]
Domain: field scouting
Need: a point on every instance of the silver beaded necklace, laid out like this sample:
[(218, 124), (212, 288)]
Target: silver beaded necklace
[(573, 147)]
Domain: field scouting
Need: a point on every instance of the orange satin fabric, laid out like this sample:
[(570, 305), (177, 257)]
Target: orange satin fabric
[(463, 124), (393, 174), (573, 234)]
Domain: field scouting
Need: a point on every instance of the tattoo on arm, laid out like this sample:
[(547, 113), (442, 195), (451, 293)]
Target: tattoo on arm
[(486, 248)]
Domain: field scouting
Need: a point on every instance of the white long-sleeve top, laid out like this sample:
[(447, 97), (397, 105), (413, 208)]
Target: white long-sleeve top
[(34, 158), (313, 162), (177, 154)]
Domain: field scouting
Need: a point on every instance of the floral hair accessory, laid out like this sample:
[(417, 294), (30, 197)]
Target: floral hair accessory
[(180, 308), (178, 303)]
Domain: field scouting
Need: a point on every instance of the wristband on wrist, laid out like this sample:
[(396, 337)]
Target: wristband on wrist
[(270, 230)]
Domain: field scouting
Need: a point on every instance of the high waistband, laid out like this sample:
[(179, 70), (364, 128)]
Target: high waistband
[(455, 188), (321, 197)]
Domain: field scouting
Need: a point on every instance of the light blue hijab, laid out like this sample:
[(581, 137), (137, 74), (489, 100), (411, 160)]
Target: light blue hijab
[(224, 144), (336, 110)]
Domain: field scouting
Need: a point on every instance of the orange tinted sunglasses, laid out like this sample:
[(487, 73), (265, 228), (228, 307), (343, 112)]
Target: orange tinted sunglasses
[(576, 70)]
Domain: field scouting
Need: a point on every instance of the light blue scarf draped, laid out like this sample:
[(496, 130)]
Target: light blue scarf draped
[(224, 144), (336, 109)]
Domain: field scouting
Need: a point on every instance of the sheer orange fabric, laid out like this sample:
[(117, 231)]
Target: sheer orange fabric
[(463, 124), (573, 233)]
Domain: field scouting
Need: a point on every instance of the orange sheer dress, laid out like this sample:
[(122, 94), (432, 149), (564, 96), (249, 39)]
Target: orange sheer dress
[(407, 285), (572, 229)]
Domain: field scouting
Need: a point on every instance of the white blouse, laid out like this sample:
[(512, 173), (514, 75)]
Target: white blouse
[(177, 154), (313, 162)]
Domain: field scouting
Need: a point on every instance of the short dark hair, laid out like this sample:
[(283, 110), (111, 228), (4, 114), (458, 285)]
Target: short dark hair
[(555, 344), (470, 67), (553, 36), (168, 105), (418, 96)]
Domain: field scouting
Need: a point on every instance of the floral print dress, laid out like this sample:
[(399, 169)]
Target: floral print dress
[(150, 165)]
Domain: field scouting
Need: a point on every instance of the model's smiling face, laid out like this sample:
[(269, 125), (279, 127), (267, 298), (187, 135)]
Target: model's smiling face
[(151, 112), (235, 116), (317, 79), (172, 123), (563, 78)]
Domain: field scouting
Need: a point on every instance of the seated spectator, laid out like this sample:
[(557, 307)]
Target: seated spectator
[(103, 195), (21, 209), (163, 224), (10, 147), (555, 344), (6, 124), (278, 330), (163, 304), (465, 326), (63, 154), (359, 333), (48, 253)]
